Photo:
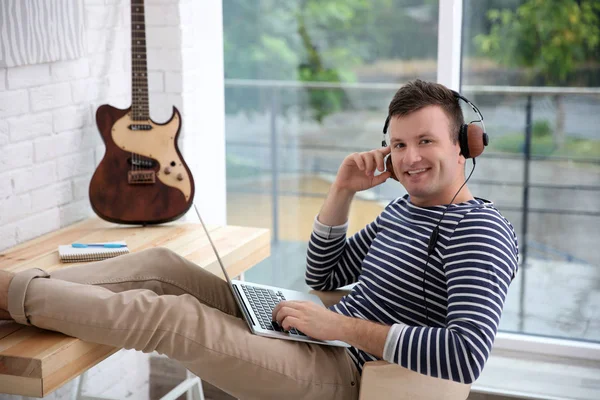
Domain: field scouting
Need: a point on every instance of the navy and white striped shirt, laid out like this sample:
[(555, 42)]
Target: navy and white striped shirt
[(466, 282)]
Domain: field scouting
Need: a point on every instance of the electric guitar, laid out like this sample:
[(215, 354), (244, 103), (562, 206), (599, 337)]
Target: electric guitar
[(142, 179)]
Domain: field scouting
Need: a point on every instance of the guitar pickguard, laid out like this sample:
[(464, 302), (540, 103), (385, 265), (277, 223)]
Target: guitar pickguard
[(157, 143)]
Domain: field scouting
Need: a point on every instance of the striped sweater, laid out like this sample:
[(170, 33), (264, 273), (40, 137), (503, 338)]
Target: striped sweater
[(466, 282)]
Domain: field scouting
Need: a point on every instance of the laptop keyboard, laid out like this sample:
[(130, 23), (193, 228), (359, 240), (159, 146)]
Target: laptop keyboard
[(263, 301)]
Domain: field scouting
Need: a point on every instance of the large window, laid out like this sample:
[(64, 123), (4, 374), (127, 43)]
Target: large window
[(308, 82), (531, 67)]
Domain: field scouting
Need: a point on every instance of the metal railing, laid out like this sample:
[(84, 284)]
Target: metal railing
[(487, 89), (275, 86)]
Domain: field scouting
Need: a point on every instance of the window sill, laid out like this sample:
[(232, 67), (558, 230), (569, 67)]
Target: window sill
[(530, 367)]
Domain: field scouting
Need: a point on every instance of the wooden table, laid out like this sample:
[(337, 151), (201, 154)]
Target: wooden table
[(35, 362)]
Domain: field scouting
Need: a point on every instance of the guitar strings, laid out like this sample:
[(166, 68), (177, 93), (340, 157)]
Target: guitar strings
[(137, 19), (141, 82), (139, 78), (133, 80)]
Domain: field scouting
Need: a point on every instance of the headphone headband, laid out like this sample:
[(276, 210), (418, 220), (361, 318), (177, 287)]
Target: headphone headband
[(473, 106)]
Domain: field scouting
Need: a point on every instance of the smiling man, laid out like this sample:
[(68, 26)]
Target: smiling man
[(431, 303), (432, 273)]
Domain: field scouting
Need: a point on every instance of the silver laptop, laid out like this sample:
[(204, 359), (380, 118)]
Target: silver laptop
[(256, 302)]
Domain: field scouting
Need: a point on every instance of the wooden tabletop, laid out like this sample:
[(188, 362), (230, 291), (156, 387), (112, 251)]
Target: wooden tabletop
[(35, 362)]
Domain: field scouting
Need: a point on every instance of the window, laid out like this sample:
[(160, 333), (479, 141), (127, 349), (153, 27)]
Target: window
[(532, 68), (307, 83)]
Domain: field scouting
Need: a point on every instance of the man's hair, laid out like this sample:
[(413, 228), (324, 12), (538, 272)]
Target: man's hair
[(418, 94)]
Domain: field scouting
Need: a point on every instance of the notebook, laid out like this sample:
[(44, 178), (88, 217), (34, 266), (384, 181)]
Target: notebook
[(67, 253)]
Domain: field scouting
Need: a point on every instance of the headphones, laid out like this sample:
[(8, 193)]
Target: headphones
[(472, 138)]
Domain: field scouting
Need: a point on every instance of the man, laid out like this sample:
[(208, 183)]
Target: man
[(437, 315)]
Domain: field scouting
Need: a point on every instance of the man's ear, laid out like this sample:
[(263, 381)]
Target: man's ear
[(461, 159)]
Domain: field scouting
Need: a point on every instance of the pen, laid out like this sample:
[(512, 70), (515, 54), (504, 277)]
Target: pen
[(105, 245)]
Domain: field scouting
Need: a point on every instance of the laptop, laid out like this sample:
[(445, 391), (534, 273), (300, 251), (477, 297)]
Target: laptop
[(256, 302)]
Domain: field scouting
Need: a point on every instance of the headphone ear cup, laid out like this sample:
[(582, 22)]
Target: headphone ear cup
[(389, 167), (475, 140), (463, 141)]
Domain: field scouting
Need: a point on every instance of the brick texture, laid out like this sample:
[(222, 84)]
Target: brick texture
[(28, 76), (50, 145)]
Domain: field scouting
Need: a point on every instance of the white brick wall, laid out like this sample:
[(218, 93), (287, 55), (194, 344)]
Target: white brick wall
[(159, 15), (71, 117), (13, 102), (49, 97), (6, 185), (2, 79), (29, 126), (27, 179), (4, 139), (69, 70), (49, 142), (50, 146), (17, 155), (28, 76)]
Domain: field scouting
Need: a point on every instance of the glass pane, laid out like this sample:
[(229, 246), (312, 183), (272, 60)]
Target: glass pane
[(307, 83), (538, 78)]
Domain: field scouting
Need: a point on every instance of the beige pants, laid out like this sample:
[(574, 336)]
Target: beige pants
[(155, 300)]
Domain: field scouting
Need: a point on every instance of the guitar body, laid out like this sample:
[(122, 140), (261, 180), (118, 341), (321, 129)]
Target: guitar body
[(142, 179)]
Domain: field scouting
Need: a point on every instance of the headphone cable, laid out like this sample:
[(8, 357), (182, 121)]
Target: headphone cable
[(433, 241)]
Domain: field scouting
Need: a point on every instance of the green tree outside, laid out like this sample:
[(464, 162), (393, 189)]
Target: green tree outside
[(320, 41), (549, 38)]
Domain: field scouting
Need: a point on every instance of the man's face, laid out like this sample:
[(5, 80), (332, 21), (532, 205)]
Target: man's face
[(426, 161)]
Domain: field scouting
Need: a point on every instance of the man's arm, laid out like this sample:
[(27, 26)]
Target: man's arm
[(356, 173), (321, 323), (336, 206), (331, 260), (364, 335)]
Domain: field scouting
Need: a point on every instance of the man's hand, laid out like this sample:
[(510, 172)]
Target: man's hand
[(312, 319), (320, 323), (357, 171)]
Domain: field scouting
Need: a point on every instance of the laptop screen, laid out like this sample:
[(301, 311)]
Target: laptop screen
[(214, 249), (247, 317)]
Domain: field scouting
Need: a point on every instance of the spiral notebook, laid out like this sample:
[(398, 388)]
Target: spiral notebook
[(67, 253)]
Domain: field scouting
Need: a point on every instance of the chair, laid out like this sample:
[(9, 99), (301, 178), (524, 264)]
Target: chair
[(384, 381)]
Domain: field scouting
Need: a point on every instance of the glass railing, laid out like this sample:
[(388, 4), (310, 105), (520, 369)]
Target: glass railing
[(283, 153)]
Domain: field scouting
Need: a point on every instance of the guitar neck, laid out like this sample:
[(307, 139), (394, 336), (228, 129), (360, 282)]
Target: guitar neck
[(139, 69)]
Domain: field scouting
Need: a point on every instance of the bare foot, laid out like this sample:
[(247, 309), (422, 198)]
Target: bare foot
[(5, 278)]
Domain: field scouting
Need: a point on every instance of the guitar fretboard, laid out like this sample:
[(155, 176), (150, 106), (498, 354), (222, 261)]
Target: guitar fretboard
[(139, 69)]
